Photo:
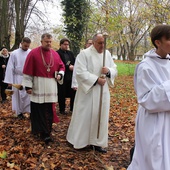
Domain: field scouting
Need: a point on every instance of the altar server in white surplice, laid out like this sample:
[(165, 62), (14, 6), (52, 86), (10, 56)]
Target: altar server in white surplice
[(83, 128), (14, 75), (152, 86)]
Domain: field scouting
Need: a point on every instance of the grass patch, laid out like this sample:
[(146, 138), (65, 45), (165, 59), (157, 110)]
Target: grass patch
[(125, 67)]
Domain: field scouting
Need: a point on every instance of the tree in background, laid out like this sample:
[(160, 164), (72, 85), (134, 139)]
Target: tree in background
[(22, 16), (128, 23), (5, 23), (76, 14), (15, 18)]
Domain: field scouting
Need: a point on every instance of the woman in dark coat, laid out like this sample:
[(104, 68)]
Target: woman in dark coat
[(4, 56)]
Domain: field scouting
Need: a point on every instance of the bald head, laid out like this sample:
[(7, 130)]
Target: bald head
[(98, 42)]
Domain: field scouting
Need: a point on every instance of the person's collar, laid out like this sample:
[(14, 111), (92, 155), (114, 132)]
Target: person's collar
[(152, 54), (94, 49), (63, 50), (5, 56), (44, 49), (167, 58)]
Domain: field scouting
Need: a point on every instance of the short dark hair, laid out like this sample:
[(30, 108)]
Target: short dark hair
[(26, 39), (88, 40), (158, 32), (46, 35), (63, 40)]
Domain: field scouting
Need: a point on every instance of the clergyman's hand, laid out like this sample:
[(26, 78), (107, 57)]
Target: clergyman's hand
[(29, 91), (3, 66), (71, 67), (101, 81), (58, 77), (105, 70), (74, 88)]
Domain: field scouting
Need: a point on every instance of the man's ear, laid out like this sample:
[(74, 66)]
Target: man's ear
[(158, 43)]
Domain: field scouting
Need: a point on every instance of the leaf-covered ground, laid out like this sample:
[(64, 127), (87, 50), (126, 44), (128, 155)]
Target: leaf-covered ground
[(21, 151)]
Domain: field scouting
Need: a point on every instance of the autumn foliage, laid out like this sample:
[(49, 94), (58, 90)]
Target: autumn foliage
[(19, 150)]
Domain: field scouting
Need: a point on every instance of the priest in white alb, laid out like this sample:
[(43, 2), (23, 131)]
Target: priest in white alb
[(14, 75), (83, 128)]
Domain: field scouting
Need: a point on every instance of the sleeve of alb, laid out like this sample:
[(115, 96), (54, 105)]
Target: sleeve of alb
[(95, 82), (108, 74)]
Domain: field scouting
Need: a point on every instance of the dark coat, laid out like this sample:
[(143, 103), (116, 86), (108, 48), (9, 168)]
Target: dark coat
[(71, 58), (65, 89), (3, 61)]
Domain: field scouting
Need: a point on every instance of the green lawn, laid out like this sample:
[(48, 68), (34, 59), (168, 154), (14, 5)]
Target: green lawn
[(125, 68)]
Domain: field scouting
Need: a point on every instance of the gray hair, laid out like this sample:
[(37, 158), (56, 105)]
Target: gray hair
[(96, 35)]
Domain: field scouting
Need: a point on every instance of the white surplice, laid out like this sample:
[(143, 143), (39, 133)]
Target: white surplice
[(84, 122), (14, 75), (152, 131), (44, 90)]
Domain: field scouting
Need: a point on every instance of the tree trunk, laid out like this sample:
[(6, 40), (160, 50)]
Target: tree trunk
[(131, 55), (123, 52), (5, 24), (22, 17)]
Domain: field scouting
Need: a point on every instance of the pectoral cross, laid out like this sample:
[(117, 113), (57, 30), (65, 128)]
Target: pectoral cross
[(48, 69)]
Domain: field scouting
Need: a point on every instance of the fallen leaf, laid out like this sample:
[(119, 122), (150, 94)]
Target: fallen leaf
[(10, 165), (109, 167), (3, 154), (125, 140)]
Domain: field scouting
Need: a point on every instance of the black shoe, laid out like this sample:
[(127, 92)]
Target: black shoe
[(3, 101), (21, 116), (47, 140), (99, 149), (35, 135), (46, 137)]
